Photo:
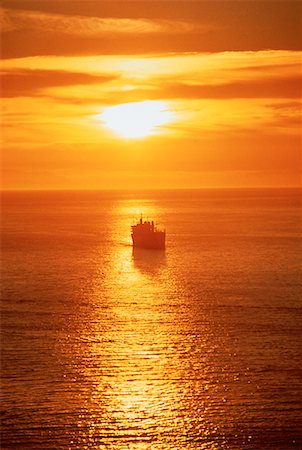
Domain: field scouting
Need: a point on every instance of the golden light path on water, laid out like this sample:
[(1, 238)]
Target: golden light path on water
[(139, 389)]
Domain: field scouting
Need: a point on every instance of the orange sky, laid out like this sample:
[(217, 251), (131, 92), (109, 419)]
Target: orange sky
[(222, 79)]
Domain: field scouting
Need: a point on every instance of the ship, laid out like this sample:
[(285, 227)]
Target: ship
[(146, 235)]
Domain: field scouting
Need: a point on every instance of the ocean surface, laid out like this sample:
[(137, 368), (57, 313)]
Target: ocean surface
[(197, 347)]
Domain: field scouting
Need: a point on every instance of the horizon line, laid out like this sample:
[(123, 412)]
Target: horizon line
[(147, 189)]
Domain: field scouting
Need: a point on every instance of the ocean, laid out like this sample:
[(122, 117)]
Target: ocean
[(195, 347)]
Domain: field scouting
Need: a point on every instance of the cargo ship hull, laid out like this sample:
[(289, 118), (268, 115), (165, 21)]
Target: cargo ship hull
[(156, 241), (146, 235)]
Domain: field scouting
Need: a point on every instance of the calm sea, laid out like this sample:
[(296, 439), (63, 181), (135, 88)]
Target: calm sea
[(197, 347)]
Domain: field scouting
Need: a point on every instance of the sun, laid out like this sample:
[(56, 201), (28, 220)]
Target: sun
[(136, 120)]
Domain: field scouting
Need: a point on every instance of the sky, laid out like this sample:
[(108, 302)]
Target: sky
[(151, 94)]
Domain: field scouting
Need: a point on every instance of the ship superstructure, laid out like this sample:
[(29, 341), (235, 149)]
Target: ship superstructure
[(145, 234)]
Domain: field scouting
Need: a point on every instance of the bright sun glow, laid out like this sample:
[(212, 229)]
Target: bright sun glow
[(136, 120)]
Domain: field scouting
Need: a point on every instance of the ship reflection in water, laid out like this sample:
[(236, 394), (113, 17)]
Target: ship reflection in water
[(149, 262)]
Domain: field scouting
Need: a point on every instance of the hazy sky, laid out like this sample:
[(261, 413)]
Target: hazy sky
[(210, 93)]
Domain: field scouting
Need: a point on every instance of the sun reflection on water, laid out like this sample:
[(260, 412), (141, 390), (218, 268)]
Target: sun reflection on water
[(139, 384)]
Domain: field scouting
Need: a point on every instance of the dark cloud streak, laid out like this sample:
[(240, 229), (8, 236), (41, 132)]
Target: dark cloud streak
[(266, 87), (25, 82)]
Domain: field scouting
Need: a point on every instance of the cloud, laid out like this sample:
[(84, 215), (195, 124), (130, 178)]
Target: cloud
[(266, 87), (27, 82), (190, 76), (113, 27), (33, 33), (289, 106), (92, 26)]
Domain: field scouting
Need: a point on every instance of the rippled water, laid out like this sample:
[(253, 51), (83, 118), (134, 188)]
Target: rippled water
[(196, 347)]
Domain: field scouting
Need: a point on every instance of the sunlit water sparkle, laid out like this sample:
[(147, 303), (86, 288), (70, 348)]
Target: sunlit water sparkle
[(193, 348)]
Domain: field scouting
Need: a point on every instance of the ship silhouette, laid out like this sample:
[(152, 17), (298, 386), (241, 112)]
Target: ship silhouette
[(146, 235)]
